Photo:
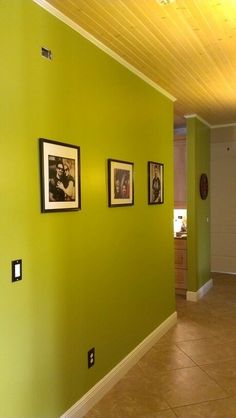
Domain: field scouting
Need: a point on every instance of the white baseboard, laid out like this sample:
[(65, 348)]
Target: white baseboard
[(195, 296), (224, 272), (80, 408)]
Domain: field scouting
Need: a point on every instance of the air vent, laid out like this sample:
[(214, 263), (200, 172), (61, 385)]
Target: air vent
[(46, 53)]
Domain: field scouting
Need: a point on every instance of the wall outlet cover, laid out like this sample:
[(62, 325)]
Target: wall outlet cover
[(91, 357), (16, 270)]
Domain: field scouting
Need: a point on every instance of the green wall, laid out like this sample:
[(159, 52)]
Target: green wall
[(101, 277), (198, 162)]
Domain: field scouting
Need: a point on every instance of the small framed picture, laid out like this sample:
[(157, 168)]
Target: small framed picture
[(60, 176), (155, 183), (203, 186), (120, 183)]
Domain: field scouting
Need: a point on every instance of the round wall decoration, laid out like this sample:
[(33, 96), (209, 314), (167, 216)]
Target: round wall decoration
[(203, 186)]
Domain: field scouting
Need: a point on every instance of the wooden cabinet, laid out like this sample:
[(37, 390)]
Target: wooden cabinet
[(180, 174), (180, 266)]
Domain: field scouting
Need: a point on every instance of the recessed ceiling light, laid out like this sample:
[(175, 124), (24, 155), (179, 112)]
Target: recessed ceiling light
[(163, 2)]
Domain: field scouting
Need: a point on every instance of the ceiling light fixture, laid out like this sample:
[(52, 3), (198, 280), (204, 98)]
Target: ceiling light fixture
[(163, 2)]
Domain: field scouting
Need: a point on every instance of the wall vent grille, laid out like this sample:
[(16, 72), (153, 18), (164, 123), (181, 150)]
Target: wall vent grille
[(46, 53)]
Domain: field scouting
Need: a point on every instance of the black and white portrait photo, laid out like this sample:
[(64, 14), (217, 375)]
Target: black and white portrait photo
[(155, 183), (60, 176), (61, 179)]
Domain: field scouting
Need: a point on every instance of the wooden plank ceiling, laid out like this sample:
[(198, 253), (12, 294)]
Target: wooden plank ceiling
[(187, 47)]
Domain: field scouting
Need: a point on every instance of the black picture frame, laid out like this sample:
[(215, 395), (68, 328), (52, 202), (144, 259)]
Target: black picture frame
[(203, 186), (59, 176), (155, 183), (120, 183)]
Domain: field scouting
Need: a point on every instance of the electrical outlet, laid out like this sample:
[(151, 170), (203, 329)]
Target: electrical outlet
[(16, 270), (91, 357)]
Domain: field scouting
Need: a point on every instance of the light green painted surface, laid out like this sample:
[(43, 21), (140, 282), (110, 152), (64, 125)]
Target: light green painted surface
[(99, 277), (198, 160)]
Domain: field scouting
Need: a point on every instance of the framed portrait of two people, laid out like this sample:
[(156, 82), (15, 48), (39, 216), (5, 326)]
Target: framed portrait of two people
[(60, 176), (120, 183), (155, 183)]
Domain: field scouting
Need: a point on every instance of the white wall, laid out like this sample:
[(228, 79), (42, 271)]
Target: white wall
[(223, 199)]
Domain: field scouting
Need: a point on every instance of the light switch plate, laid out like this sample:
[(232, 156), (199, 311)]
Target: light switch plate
[(16, 270)]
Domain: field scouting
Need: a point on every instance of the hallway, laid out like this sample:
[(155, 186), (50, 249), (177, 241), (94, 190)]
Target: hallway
[(191, 371)]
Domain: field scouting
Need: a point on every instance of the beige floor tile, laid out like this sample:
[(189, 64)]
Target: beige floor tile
[(224, 373), (165, 358), (224, 329), (187, 386), (131, 414), (185, 331), (206, 351), (133, 396), (165, 414), (222, 408)]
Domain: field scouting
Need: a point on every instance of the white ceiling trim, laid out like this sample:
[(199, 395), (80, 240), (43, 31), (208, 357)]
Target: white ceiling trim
[(194, 115), (224, 126), (45, 5)]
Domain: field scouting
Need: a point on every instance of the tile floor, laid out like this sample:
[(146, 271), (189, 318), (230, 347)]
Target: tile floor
[(191, 371)]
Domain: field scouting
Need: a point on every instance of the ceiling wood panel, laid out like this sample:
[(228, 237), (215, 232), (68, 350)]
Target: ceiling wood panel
[(188, 47)]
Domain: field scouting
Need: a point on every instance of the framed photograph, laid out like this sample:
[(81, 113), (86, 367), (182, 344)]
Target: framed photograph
[(60, 176), (203, 186), (155, 183), (120, 183)]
